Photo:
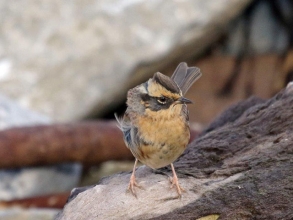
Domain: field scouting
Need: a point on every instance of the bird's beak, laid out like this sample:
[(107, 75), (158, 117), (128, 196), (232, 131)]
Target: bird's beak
[(183, 100)]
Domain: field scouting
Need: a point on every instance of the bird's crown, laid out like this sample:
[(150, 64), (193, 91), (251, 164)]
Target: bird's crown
[(166, 82)]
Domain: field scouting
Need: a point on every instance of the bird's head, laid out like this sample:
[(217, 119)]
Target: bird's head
[(157, 94)]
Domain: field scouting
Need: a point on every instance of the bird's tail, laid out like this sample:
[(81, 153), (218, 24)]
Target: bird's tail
[(185, 76)]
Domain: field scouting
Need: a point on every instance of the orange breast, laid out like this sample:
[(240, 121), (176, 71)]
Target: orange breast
[(165, 134)]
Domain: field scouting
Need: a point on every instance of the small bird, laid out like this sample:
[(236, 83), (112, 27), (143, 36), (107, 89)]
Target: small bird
[(155, 125)]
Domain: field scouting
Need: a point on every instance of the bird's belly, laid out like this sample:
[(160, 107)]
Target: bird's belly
[(160, 156), (161, 141)]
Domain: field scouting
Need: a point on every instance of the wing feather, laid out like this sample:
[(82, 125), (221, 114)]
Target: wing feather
[(185, 112), (130, 136)]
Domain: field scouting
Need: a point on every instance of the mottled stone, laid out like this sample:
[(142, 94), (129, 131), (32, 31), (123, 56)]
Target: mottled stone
[(71, 60)]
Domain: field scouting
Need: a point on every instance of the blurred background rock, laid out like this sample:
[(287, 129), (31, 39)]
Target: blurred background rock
[(69, 61)]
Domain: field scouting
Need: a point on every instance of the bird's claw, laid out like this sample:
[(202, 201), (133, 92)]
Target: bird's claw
[(133, 184), (174, 182)]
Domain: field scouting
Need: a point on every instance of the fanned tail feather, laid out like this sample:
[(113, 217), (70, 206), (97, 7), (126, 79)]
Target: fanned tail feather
[(185, 76)]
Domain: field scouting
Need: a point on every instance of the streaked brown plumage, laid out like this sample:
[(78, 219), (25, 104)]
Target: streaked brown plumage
[(155, 124)]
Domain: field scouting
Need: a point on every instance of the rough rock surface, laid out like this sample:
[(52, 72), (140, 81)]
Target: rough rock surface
[(66, 60), (241, 169)]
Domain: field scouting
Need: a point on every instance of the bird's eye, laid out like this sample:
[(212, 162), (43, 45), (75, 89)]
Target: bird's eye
[(162, 100)]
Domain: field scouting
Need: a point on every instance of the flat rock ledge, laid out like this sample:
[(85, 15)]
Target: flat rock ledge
[(241, 168)]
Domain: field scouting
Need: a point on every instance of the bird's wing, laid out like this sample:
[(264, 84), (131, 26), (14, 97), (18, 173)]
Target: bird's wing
[(185, 76), (130, 136), (185, 112)]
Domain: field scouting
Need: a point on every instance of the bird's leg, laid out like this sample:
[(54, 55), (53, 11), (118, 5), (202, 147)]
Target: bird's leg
[(132, 182), (175, 182)]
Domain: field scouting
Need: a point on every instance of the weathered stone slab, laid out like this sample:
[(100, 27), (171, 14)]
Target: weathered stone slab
[(241, 168)]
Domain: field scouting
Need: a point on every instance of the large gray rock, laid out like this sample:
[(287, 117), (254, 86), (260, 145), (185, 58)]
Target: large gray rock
[(70, 59)]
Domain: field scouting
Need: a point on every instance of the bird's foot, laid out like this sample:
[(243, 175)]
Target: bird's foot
[(174, 182), (133, 184)]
